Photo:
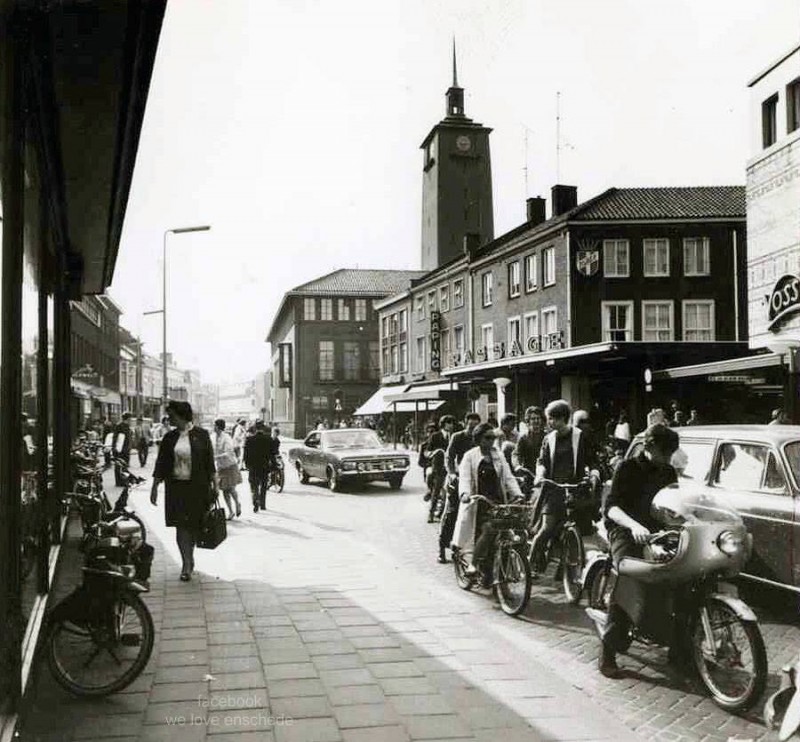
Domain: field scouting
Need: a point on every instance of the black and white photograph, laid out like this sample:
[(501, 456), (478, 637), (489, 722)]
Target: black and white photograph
[(380, 371)]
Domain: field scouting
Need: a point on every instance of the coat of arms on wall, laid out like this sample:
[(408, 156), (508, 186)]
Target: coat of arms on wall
[(587, 259)]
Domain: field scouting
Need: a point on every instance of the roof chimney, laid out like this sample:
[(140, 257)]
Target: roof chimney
[(472, 241), (563, 198), (536, 210)]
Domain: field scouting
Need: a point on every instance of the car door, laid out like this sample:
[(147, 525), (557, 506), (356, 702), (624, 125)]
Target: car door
[(311, 454), (751, 478)]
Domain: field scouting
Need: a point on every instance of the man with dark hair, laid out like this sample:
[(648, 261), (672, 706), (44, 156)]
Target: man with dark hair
[(121, 447), (526, 452), (506, 435), (459, 444), (629, 521), (141, 439), (256, 461)]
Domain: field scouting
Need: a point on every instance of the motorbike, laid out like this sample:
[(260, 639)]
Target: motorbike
[(782, 709), (681, 600)]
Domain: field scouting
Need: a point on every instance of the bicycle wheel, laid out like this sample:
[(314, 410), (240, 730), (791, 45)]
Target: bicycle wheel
[(572, 562), (276, 480), (512, 579), (106, 651), (460, 564)]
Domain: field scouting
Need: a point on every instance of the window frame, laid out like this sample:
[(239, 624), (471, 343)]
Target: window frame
[(309, 301), (432, 300), (487, 288), (793, 106), (458, 296), (514, 267), (489, 347), (606, 325), (769, 121), (351, 373), (531, 268), (323, 303), (421, 366), (458, 348), (712, 314), (420, 309), (705, 244), (509, 341), (342, 316), (320, 376), (659, 302), (552, 309), (616, 244), (525, 317), (656, 241), (548, 261), (357, 304), (444, 298)]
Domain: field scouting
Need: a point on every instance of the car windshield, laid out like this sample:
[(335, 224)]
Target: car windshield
[(336, 439), (792, 451), (685, 504)]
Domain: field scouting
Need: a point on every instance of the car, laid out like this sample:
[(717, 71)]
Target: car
[(754, 470), (346, 456)]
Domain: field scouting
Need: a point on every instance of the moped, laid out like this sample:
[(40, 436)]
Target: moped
[(782, 709), (679, 601)]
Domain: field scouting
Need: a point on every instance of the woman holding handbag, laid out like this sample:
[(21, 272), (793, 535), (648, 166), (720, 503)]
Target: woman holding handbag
[(227, 467), (185, 464)]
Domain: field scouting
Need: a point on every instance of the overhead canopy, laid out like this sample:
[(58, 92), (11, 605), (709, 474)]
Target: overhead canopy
[(407, 398), (376, 404), (728, 366)]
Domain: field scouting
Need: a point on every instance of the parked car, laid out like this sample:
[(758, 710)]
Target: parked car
[(755, 470), (348, 455)]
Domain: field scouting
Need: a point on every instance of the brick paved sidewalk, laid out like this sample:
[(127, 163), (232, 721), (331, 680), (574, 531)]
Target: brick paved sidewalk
[(303, 637)]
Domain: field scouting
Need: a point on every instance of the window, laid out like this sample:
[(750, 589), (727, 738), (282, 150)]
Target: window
[(384, 327), (352, 360), (487, 285), (657, 321), (446, 349), (431, 302), (617, 321), (656, 258), (616, 259), (698, 321), (769, 121), (549, 327), (343, 309), (402, 321), (793, 106), (444, 298), (394, 353), (326, 309), (374, 360), (531, 272), (309, 309), (420, 303), (532, 331), (696, 256), (513, 279), (421, 365), (487, 339), (386, 367), (514, 332), (361, 310), (458, 293), (549, 263), (403, 352), (749, 466), (326, 360), (458, 343)]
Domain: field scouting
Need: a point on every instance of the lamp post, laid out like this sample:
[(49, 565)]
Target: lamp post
[(163, 310)]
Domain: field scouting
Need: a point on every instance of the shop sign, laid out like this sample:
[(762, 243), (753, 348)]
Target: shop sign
[(499, 351), (783, 301), (736, 379), (436, 335)]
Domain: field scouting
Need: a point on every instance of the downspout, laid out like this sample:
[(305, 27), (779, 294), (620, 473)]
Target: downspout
[(736, 283)]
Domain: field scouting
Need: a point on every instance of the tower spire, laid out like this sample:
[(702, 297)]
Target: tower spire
[(455, 94), (455, 70)]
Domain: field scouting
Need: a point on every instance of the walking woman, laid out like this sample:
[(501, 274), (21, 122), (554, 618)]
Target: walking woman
[(185, 464), (227, 467)]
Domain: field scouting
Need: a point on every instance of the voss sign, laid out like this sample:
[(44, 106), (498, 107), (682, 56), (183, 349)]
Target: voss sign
[(783, 301)]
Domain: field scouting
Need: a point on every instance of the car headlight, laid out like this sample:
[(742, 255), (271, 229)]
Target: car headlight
[(360, 466), (730, 543), (348, 465), (400, 463)]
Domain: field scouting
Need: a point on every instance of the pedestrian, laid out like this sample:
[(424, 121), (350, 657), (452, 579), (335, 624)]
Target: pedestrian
[(694, 418), (121, 448), (622, 430), (679, 419), (141, 439), (779, 417), (506, 436), (239, 434), (185, 464), (526, 452), (227, 465), (256, 458)]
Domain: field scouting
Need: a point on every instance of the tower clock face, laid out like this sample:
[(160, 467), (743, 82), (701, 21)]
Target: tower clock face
[(463, 143)]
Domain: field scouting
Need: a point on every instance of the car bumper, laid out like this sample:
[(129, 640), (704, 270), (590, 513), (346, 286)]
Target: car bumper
[(372, 476)]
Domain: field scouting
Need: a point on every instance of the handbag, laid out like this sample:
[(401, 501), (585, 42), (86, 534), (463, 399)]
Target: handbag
[(213, 527)]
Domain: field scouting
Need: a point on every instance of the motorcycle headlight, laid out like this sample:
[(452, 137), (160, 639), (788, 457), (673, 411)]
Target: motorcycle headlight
[(730, 543)]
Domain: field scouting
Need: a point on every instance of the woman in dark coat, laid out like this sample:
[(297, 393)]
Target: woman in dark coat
[(185, 464)]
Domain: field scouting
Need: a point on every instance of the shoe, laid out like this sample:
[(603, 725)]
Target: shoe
[(442, 558), (238, 510), (185, 577), (607, 664), (255, 507), (427, 497)]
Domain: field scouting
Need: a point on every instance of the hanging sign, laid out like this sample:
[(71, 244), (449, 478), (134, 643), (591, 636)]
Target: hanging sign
[(436, 335), (783, 301)]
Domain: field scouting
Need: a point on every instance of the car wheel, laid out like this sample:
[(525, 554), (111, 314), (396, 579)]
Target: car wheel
[(334, 483), (395, 482), (301, 473)]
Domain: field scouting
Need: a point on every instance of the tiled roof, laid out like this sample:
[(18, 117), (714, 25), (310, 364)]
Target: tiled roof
[(664, 203), (356, 281)]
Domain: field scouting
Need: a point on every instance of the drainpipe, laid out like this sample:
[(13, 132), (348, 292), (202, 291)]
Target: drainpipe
[(735, 239)]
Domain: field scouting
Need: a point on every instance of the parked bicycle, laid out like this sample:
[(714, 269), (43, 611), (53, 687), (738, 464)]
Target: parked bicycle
[(510, 571)]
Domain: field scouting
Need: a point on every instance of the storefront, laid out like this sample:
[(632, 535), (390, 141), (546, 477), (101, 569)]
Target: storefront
[(64, 192)]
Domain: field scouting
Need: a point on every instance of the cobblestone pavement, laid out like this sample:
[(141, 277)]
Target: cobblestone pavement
[(330, 611)]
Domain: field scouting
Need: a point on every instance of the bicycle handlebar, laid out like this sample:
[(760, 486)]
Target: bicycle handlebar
[(501, 504), (563, 485)]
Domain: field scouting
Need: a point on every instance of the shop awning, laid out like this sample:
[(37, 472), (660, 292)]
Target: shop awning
[(376, 404), (407, 398), (730, 366)]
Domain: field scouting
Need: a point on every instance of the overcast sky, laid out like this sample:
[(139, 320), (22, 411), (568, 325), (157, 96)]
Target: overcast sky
[(293, 127)]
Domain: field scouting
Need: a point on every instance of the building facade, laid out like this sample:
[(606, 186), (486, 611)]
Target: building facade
[(324, 346), (237, 400)]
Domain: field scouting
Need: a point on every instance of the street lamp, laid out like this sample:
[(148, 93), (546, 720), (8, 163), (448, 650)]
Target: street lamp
[(163, 310)]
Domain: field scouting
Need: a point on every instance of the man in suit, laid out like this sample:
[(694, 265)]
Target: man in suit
[(459, 444), (256, 461), (121, 447)]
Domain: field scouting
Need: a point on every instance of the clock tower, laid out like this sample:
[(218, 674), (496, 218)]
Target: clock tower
[(456, 182)]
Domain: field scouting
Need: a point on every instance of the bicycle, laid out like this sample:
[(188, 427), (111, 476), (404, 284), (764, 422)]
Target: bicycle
[(566, 547), (435, 481), (511, 574), (276, 476)]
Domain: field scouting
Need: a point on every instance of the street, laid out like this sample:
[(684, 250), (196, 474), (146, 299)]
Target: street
[(327, 617)]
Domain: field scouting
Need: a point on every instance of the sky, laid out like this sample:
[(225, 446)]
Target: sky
[(292, 128)]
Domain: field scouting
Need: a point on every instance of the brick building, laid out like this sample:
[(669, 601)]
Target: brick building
[(324, 345)]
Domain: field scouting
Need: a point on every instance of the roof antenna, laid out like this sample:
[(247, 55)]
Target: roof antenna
[(558, 136), (455, 71)]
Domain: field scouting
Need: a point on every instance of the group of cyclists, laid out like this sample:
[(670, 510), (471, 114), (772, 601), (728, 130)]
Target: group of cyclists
[(483, 464)]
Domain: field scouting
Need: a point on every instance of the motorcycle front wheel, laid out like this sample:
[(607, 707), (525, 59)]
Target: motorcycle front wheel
[(734, 669), (512, 576)]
